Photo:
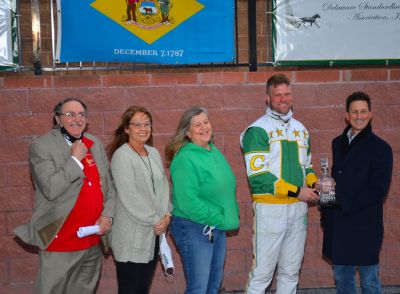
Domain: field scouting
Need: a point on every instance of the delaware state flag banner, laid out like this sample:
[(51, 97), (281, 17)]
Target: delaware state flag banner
[(146, 31)]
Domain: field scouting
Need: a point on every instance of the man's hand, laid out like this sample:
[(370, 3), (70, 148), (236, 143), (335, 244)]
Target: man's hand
[(104, 225), (308, 195), (78, 150)]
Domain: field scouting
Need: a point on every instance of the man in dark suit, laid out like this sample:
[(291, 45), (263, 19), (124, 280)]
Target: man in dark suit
[(353, 230), (73, 189)]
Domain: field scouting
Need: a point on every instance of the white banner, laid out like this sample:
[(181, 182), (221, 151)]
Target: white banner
[(312, 31), (8, 39)]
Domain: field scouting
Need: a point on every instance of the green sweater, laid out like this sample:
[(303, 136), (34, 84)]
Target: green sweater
[(203, 187)]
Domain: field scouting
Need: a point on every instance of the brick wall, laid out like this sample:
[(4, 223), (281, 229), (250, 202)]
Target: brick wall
[(234, 99)]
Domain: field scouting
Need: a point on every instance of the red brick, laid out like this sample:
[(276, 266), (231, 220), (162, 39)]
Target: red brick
[(1, 126), (174, 79), (152, 97), (393, 257), (237, 166), (44, 100), (308, 277), (327, 118), (243, 193), (241, 240), (262, 77), (235, 262), (396, 165), (321, 143), (103, 99), (253, 114), (243, 96), (27, 125), (223, 78), (234, 282), (204, 96), (3, 223), (314, 216), (365, 75), (13, 151), (10, 248), (166, 121), (126, 80), (3, 176), (394, 74), (331, 94), (160, 141), (228, 120), (311, 278), (392, 233), (27, 82), (313, 259), (23, 271), (390, 277), (96, 123), (382, 93), (320, 106), (386, 117), (16, 289), (179, 98), (77, 81), (232, 144), (242, 214), (161, 284), (320, 76), (111, 122), (15, 219), (394, 191), (13, 101), (4, 273), (15, 199), (392, 205), (18, 176), (313, 226), (1, 82), (107, 286)]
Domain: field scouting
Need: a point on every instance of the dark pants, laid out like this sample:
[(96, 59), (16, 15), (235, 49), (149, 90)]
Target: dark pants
[(136, 278), (131, 11)]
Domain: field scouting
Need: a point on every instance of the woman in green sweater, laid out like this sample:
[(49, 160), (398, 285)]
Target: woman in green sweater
[(204, 202)]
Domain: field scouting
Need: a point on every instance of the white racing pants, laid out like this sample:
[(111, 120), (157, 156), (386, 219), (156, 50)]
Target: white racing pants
[(279, 238)]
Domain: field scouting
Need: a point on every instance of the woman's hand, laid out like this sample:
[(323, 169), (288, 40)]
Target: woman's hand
[(162, 225)]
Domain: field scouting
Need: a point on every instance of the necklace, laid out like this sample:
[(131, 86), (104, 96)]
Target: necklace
[(148, 167)]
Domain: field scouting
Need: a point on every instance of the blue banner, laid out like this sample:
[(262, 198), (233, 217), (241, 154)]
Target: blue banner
[(146, 31)]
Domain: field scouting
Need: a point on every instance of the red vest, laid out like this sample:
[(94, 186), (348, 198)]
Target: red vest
[(86, 212)]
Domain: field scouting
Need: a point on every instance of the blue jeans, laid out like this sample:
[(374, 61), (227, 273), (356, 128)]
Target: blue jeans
[(203, 261), (346, 282)]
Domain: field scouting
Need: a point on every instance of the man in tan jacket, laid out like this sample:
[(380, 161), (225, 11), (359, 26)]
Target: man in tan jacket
[(73, 189)]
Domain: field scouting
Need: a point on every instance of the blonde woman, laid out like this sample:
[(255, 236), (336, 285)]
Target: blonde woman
[(205, 207)]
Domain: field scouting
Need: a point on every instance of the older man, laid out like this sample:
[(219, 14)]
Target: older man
[(73, 189), (276, 149), (353, 230)]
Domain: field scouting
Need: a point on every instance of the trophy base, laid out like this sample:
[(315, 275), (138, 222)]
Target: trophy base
[(327, 200)]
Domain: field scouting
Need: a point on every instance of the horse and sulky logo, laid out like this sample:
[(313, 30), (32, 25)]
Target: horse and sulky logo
[(148, 19), (302, 22)]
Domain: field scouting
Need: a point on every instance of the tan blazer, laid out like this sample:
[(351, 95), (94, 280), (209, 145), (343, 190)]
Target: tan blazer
[(57, 180)]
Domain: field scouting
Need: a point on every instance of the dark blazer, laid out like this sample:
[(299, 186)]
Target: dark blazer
[(353, 232), (58, 180)]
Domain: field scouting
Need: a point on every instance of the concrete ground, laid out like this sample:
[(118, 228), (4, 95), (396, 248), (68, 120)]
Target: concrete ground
[(385, 290)]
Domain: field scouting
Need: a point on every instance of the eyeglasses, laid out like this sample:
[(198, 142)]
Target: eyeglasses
[(139, 125), (71, 114)]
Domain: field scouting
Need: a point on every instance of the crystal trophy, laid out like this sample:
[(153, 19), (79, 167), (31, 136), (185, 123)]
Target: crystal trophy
[(326, 185)]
